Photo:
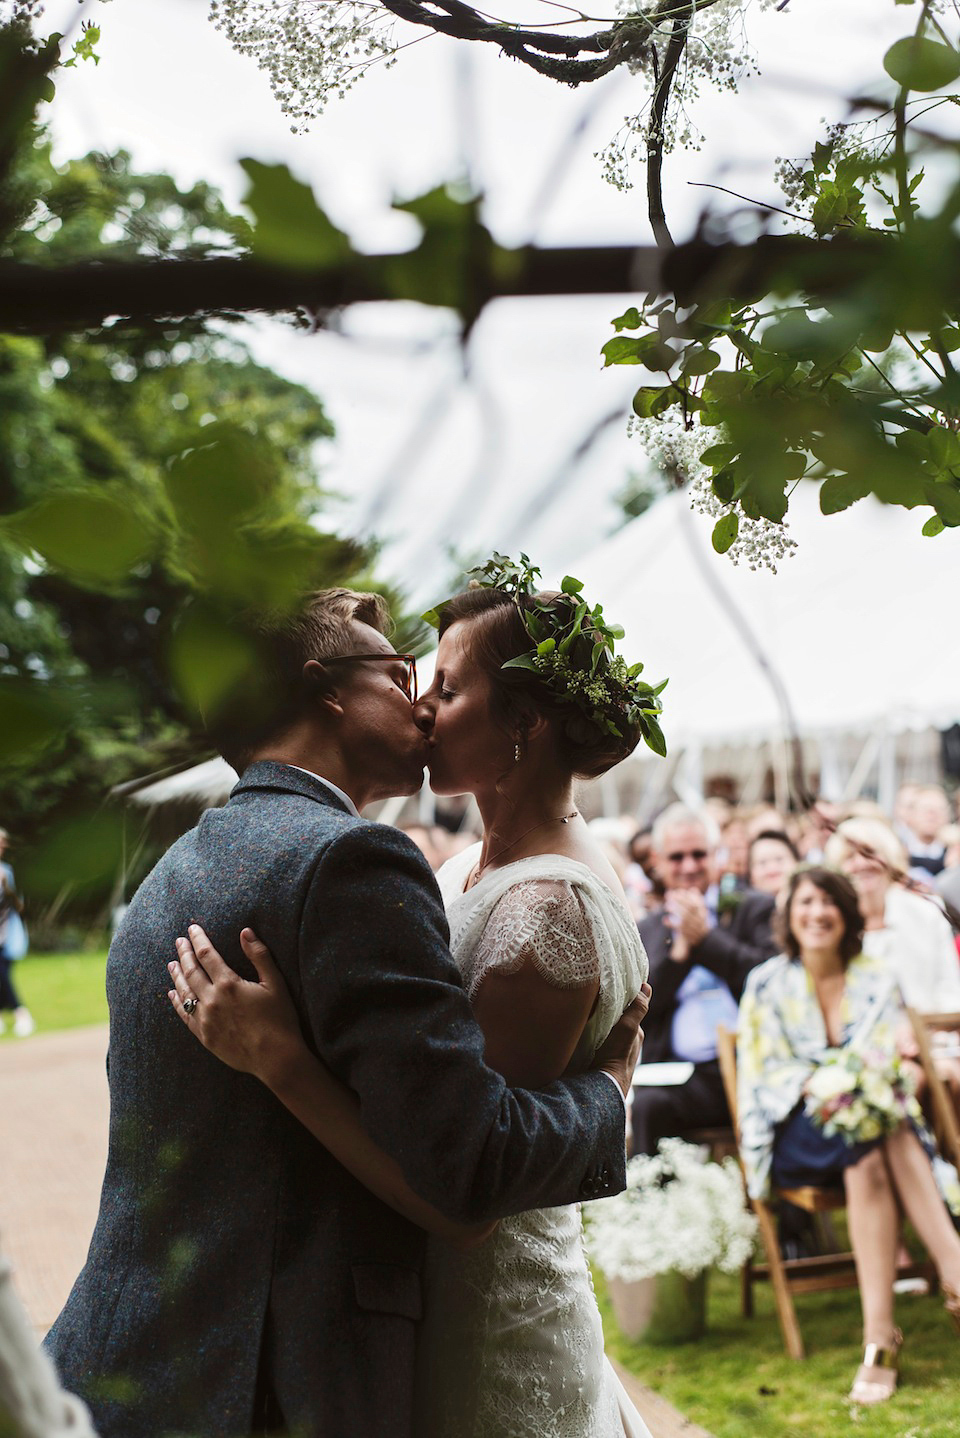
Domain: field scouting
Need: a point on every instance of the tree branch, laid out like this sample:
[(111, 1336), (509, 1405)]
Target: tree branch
[(38, 299), (655, 131)]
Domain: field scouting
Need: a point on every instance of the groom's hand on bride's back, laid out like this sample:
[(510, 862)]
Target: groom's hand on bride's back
[(620, 1050)]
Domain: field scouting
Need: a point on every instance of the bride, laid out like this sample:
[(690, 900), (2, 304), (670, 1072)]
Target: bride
[(526, 698)]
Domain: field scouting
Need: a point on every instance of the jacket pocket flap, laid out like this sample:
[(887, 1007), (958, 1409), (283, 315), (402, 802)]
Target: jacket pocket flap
[(387, 1288)]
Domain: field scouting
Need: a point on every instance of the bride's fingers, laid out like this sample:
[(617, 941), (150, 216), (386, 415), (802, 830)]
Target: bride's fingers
[(206, 957), (177, 1003), (261, 958), (196, 975), (184, 989)]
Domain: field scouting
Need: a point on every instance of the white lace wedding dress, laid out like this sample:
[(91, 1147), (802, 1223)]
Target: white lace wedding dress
[(512, 1345)]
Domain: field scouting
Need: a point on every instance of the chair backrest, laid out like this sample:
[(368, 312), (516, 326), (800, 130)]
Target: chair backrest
[(945, 1120), (727, 1059)]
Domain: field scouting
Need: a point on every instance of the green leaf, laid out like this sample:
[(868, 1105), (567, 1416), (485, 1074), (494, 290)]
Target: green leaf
[(547, 647), (93, 535), (34, 716), (651, 400), (570, 585), (933, 526), (945, 498), (653, 737), (290, 228), (917, 63), (622, 349), (629, 320), (717, 455), (725, 531), (724, 484), (700, 361), (839, 491), (212, 663), (522, 661)]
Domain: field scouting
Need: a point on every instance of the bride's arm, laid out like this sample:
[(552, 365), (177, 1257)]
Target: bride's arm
[(254, 1027)]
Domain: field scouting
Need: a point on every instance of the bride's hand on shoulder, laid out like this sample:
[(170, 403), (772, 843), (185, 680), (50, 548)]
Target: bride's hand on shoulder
[(249, 1025)]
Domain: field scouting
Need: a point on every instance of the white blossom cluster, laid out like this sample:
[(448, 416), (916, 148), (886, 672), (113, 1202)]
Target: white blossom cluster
[(310, 50), (675, 446), (716, 55), (678, 1213), (760, 543)]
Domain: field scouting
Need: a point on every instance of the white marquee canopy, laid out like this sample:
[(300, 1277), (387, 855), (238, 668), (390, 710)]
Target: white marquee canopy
[(861, 624)]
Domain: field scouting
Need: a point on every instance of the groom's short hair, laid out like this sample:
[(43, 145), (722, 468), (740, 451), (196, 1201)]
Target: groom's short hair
[(320, 626)]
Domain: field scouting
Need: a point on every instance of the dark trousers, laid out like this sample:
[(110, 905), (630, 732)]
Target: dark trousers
[(670, 1112), (8, 994)]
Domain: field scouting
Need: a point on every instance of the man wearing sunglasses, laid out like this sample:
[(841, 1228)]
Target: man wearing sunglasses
[(697, 970), (239, 1279)]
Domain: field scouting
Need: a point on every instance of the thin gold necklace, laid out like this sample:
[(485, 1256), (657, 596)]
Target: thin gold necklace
[(563, 819)]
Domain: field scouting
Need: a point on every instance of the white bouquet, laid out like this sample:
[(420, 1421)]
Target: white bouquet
[(678, 1213), (860, 1096)]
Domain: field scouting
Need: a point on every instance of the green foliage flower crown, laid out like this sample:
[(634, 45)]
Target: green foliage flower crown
[(573, 651)]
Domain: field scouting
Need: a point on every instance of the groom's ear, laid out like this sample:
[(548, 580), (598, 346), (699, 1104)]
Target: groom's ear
[(318, 682)]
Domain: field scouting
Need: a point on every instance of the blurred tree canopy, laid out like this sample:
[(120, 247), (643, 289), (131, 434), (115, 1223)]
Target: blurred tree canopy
[(154, 482)]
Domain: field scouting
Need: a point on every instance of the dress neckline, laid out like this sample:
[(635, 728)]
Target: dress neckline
[(528, 859)]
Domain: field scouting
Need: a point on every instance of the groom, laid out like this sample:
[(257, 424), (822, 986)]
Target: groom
[(238, 1278)]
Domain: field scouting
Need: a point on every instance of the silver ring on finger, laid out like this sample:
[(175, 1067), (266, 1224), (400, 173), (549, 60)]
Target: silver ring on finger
[(190, 1006)]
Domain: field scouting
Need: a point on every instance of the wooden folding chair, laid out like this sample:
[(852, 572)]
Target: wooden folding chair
[(789, 1276), (945, 1124)]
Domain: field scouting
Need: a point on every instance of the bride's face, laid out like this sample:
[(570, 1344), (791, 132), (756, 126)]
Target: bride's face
[(469, 751)]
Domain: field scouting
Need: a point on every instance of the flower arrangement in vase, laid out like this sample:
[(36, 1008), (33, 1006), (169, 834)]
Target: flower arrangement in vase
[(678, 1216)]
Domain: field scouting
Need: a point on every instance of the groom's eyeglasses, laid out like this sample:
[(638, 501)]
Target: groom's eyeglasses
[(406, 662)]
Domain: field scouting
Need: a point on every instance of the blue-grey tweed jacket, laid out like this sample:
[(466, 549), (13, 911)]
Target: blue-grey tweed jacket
[(228, 1239)]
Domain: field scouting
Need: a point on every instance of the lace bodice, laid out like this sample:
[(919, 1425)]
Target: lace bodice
[(512, 1344), (555, 912)]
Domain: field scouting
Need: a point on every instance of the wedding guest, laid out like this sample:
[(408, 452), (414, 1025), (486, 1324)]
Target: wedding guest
[(772, 856), (907, 931), (13, 946), (820, 995), (697, 970), (642, 882), (733, 854), (929, 813), (816, 826)]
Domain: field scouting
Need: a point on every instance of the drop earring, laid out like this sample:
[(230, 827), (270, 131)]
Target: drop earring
[(516, 752)]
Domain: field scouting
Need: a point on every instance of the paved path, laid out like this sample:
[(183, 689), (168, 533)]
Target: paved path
[(53, 1147)]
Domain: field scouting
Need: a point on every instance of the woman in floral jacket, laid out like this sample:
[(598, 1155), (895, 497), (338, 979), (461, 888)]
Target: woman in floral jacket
[(819, 996)]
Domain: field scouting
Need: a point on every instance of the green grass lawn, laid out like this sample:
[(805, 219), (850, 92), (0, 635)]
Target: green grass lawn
[(737, 1382), (62, 991)]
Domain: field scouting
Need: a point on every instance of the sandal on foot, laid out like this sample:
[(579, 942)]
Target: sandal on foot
[(951, 1302), (877, 1375)]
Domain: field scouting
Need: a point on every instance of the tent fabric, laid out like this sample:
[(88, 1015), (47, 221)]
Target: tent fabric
[(861, 624)]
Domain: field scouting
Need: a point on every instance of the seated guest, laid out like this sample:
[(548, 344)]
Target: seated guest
[(928, 813), (772, 859), (908, 932), (697, 970), (819, 995)]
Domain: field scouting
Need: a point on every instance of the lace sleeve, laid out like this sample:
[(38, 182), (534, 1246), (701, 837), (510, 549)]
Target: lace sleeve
[(543, 921)]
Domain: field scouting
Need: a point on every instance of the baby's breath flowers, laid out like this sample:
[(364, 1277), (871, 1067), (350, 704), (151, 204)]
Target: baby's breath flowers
[(310, 50), (675, 444), (678, 1213)]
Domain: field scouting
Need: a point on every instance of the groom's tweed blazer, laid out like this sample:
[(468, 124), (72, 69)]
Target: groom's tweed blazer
[(228, 1238)]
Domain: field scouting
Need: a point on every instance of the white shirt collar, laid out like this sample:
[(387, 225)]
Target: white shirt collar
[(344, 798)]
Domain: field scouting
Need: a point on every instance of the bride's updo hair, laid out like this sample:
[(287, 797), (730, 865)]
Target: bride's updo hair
[(497, 633)]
